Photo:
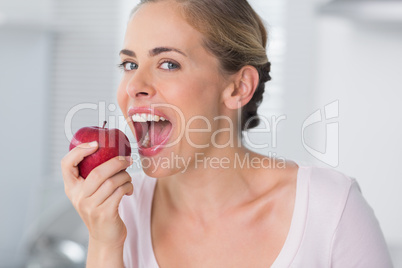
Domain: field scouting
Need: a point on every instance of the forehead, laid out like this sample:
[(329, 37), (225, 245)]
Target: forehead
[(161, 23)]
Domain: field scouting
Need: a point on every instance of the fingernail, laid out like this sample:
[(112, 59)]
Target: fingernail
[(93, 144)]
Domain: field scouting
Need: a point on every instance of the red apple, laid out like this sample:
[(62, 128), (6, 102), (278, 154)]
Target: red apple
[(111, 143)]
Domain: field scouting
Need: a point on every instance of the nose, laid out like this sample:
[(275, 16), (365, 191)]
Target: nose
[(140, 85)]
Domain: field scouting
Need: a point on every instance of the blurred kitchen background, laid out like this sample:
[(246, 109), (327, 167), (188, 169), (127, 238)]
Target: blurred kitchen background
[(336, 89)]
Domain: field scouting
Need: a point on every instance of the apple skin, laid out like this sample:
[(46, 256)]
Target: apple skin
[(111, 143)]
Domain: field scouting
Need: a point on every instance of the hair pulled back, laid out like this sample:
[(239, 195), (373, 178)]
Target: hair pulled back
[(235, 34)]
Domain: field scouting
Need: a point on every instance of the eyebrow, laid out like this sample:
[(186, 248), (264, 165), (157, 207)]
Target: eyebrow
[(127, 52), (153, 52), (159, 50)]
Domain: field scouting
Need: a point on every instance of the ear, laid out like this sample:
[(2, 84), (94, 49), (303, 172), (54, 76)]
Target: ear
[(242, 88)]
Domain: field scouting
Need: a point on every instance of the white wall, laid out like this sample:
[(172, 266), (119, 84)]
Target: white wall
[(298, 78), (23, 10), (24, 63), (359, 63), (42, 60), (23, 139)]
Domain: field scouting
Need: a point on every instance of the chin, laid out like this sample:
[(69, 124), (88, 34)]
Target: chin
[(159, 172), (167, 162)]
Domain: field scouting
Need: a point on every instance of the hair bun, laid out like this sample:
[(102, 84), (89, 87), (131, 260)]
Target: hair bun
[(265, 70)]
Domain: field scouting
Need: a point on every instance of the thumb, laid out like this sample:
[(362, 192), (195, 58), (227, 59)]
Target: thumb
[(82, 150)]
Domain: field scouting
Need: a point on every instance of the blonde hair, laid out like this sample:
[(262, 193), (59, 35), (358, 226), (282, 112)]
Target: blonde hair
[(236, 35)]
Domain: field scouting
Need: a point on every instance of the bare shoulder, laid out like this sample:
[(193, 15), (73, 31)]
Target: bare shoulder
[(285, 182), (277, 175), (274, 190)]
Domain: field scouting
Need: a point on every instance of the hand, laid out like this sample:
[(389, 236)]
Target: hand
[(97, 197)]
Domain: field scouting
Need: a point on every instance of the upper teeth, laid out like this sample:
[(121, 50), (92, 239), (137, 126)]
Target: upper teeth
[(146, 117)]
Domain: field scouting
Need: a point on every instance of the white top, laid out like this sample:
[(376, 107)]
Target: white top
[(332, 224)]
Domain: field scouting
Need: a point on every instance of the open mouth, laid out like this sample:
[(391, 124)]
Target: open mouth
[(152, 131)]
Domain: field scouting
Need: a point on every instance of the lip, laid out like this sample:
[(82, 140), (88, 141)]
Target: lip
[(148, 152)]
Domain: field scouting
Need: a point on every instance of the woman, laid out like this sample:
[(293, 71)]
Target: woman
[(197, 63)]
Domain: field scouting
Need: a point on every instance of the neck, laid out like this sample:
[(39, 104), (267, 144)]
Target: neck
[(214, 185)]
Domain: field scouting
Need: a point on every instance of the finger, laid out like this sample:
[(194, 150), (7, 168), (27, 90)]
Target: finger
[(70, 162), (103, 172), (114, 200), (109, 186)]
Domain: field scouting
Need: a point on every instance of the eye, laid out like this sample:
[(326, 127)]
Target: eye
[(128, 66), (169, 65)]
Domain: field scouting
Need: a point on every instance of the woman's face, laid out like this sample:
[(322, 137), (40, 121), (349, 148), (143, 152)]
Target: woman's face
[(166, 68)]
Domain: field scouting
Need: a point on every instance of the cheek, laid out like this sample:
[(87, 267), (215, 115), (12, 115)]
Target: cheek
[(122, 97), (202, 90)]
